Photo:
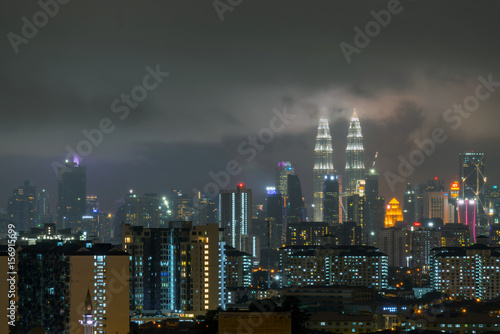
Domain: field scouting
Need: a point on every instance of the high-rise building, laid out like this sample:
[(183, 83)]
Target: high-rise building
[(139, 210), (42, 204), (179, 269), (467, 272), (393, 213), (53, 281), (92, 203), (356, 210), (473, 178), (409, 204), (394, 242), (419, 201), (355, 160), (323, 165), (21, 207), (206, 210), (467, 214), (436, 205), (72, 193), (375, 206), (235, 217), (238, 269), (273, 236), (182, 206), (294, 200), (282, 171), (331, 202)]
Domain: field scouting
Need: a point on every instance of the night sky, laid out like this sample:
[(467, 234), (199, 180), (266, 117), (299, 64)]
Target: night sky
[(226, 77)]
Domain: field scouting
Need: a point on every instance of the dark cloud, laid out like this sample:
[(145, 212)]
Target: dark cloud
[(227, 77)]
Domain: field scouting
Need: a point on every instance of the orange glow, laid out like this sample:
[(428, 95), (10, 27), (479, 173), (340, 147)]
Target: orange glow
[(393, 213)]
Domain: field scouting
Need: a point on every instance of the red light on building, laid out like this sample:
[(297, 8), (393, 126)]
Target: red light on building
[(240, 185), (435, 178), (416, 224)]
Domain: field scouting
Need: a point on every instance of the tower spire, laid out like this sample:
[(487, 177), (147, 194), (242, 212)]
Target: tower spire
[(355, 160), (87, 322), (323, 165)]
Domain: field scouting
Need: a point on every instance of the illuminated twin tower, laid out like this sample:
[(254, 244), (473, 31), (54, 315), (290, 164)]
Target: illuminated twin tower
[(323, 162)]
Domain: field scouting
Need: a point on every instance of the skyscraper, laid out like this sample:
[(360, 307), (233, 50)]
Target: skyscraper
[(21, 207), (409, 204), (355, 159), (323, 165), (393, 213), (72, 193), (282, 171), (295, 203), (472, 178), (331, 200), (235, 216)]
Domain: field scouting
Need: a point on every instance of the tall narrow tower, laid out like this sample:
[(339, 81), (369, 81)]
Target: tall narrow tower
[(323, 166), (355, 156), (88, 322)]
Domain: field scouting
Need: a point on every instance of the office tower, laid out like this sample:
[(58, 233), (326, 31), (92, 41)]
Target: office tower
[(421, 241), (434, 185), (331, 201), (72, 193), (274, 222), (21, 207), (419, 201), (394, 241), (473, 178), (467, 272), (375, 206), (467, 214), (179, 269), (182, 206), (393, 213), (323, 165), (42, 204), (348, 233), (355, 158), (307, 233), (139, 210), (295, 202), (495, 235), (53, 282), (408, 204), (92, 204), (282, 171), (235, 216), (356, 210), (436, 205)]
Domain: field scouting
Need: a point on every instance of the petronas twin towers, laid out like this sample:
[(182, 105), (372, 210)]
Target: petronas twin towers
[(323, 162)]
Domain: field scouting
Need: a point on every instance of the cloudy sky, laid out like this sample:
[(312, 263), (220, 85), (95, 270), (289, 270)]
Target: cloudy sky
[(226, 77)]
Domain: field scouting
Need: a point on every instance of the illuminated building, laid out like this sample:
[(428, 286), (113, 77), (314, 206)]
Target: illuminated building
[(455, 190), (235, 217), (323, 165), (455, 235), (179, 269), (331, 202), (72, 193), (436, 205), (348, 233), (393, 213), (205, 211), (67, 272), (375, 208), (356, 210), (409, 204), (419, 201), (88, 322), (92, 205), (307, 233), (495, 235), (467, 213), (182, 206), (355, 161), (333, 265), (472, 178), (49, 232), (139, 210), (42, 205), (282, 171), (238, 269), (469, 272), (21, 207)]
